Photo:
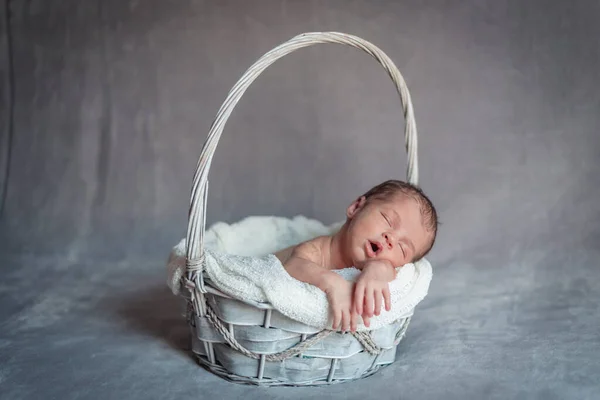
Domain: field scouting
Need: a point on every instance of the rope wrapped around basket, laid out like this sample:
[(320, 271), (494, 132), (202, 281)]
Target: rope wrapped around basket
[(194, 279), (363, 337)]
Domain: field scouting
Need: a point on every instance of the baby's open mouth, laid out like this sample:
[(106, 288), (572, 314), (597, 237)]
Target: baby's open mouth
[(375, 247)]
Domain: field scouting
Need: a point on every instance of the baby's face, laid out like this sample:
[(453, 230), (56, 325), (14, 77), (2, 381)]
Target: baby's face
[(390, 230)]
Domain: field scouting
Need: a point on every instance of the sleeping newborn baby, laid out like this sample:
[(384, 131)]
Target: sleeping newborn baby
[(391, 225)]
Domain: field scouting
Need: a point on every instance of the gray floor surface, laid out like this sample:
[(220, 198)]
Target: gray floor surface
[(523, 330)]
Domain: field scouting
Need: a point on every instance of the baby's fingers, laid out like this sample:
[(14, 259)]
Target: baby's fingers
[(369, 303), (337, 316), (366, 320), (359, 298), (387, 297), (377, 295), (345, 320), (353, 320)]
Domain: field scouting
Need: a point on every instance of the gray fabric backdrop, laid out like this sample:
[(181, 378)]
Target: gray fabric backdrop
[(105, 106)]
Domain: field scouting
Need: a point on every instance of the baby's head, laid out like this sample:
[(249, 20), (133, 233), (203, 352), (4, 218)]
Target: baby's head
[(393, 221)]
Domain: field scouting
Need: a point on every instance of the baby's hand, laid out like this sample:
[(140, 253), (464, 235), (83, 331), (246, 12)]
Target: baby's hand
[(371, 286), (339, 294)]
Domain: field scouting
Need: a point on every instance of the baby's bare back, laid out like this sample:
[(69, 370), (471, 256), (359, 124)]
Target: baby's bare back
[(311, 250), (285, 254)]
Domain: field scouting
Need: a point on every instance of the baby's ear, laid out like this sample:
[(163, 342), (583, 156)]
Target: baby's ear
[(355, 207)]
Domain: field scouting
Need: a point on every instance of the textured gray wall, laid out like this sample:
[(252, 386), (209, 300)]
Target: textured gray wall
[(113, 100)]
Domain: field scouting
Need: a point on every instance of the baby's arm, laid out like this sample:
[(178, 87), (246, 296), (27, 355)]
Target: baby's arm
[(371, 286), (301, 265)]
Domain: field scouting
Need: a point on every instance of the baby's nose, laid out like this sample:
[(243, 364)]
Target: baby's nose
[(389, 240)]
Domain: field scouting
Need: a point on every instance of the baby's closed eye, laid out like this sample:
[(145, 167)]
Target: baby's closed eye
[(387, 219)]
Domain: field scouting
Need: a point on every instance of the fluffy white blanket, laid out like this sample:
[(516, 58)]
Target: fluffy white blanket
[(240, 262)]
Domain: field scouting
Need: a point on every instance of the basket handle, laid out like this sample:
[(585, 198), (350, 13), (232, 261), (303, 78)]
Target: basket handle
[(197, 211)]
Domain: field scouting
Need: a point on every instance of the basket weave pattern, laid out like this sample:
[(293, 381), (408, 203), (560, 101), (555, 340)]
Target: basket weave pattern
[(254, 343)]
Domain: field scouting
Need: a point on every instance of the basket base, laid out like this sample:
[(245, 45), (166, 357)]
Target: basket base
[(268, 382), (302, 370)]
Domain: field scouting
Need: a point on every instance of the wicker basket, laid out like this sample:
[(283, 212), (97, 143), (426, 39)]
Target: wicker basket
[(250, 342)]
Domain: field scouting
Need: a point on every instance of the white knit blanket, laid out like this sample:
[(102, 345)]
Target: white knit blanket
[(240, 263)]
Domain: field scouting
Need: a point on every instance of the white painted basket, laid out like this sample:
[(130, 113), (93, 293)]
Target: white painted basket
[(251, 342)]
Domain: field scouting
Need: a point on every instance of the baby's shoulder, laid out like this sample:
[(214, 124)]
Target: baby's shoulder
[(311, 247), (312, 250)]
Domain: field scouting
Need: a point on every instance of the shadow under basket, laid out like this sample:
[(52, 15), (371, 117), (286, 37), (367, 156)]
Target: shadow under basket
[(252, 343)]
